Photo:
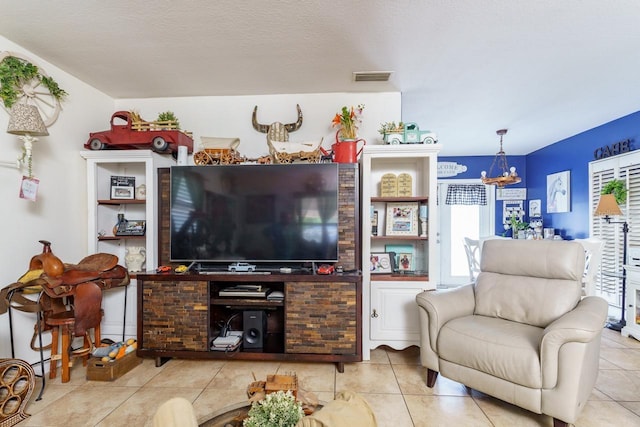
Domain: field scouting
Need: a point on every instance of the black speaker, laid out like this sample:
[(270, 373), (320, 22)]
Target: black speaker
[(254, 323)]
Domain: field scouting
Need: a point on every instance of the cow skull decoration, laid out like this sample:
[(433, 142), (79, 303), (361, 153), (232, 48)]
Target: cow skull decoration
[(277, 131)]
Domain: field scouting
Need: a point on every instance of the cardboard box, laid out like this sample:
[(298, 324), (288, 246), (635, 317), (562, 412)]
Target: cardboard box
[(97, 370)]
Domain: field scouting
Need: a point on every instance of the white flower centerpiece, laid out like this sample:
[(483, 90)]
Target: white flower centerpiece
[(279, 409)]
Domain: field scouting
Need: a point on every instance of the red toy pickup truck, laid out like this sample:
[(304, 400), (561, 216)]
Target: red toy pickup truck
[(128, 132)]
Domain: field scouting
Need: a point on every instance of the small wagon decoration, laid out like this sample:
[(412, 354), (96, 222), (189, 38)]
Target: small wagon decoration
[(218, 151), (287, 152)]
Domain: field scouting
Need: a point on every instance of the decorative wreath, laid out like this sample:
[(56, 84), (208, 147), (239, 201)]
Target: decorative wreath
[(22, 81), (617, 188)]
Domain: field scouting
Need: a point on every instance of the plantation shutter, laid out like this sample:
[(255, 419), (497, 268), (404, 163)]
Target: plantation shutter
[(627, 168)]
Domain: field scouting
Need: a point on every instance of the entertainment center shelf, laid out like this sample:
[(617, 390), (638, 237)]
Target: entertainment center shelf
[(319, 319)]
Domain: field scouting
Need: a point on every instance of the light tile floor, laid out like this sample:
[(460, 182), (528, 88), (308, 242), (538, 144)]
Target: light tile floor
[(393, 382)]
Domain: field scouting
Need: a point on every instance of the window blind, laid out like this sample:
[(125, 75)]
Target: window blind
[(626, 168)]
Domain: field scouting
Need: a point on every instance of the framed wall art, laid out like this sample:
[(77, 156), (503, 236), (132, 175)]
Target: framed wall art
[(381, 263), (559, 192), (402, 219)]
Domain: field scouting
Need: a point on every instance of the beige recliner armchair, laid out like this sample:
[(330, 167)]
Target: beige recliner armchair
[(521, 333)]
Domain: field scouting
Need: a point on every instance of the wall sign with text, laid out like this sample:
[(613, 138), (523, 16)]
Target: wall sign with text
[(613, 149)]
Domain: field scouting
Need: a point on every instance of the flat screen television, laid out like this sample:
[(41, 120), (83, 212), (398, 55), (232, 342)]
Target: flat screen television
[(282, 213)]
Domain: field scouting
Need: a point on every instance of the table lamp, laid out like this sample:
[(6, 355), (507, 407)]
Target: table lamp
[(607, 207), (25, 120)]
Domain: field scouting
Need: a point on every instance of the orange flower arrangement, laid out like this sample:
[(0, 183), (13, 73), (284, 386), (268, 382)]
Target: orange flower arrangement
[(348, 120)]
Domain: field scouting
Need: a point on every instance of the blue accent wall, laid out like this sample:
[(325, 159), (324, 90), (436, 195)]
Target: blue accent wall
[(573, 154)]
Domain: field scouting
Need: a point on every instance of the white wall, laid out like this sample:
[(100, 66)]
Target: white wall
[(60, 213), (230, 116)]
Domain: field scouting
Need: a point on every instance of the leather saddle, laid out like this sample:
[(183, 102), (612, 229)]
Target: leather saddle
[(58, 280)]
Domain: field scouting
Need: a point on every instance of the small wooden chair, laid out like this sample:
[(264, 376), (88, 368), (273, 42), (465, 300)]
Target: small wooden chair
[(85, 315)]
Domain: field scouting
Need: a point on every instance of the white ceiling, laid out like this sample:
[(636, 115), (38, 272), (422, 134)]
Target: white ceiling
[(544, 69)]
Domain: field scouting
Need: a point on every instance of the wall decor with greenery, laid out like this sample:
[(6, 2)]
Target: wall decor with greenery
[(617, 188), (22, 81)]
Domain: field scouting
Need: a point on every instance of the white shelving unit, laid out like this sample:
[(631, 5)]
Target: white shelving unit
[(390, 313), (102, 214)]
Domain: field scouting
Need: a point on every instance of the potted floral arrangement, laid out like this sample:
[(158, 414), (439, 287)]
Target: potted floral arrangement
[(347, 121), (279, 409)]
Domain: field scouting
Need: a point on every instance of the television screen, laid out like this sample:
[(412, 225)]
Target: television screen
[(260, 213)]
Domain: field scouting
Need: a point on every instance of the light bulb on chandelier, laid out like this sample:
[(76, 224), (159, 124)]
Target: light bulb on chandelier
[(508, 174)]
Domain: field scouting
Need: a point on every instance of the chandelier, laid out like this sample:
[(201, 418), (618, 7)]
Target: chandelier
[(507, 175)]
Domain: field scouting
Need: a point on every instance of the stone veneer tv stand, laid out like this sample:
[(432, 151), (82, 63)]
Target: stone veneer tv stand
[(319, 320)]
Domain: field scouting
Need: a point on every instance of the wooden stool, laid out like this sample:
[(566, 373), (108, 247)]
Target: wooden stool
[(63, 325), (86, 314)]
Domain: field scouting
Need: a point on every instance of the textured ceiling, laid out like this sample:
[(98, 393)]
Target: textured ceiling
[(544, 69)]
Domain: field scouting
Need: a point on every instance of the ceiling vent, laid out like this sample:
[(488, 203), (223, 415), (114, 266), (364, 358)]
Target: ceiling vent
[(371, 76)]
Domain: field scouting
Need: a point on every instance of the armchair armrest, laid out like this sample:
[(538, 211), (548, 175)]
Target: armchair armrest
[(442, 306), (581, 325)]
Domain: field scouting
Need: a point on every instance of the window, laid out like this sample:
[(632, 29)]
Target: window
[(458, 221), (627, 168)]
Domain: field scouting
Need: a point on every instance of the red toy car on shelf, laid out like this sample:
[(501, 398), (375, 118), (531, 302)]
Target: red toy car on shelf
[(325, 269), (128, 131)]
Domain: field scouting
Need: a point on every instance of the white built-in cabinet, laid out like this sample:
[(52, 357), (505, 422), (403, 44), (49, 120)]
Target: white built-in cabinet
[(102, 216), (389, 309), (633, 303)]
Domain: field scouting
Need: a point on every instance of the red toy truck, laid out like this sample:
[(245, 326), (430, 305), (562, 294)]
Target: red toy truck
[(128, 131)]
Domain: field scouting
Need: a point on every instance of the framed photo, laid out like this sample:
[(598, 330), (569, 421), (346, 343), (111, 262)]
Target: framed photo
[(400, 249), (380, 263), (535, 208), (132, 228), (402, 219), (559, 192), (405, 262), (123, 187)]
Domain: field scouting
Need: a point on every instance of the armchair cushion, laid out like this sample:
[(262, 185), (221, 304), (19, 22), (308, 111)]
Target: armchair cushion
[(501, 348), (535, 290)]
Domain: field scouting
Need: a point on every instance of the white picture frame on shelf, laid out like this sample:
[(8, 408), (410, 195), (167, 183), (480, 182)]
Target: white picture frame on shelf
[(380, 263), (402, 219)]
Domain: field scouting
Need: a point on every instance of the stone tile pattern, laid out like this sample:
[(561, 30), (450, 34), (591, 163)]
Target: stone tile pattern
[(348, 216), (321, 317), (164, 219), (174, 315)]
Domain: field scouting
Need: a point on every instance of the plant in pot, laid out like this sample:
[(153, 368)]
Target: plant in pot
[(515, 225), (347, 121), (279, 409), (617, 188), (168, 119)]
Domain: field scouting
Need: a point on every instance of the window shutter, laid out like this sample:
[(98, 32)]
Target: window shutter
[(626, 168)]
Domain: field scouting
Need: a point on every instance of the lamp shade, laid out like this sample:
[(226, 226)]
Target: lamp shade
[(24, 119), (607, 206)]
